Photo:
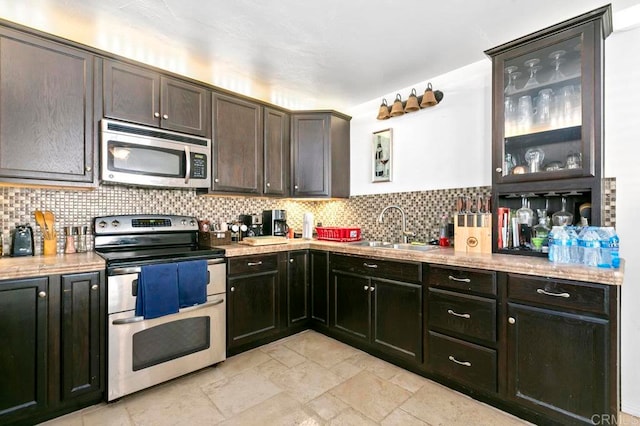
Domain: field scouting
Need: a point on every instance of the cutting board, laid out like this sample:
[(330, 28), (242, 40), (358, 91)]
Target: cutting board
[(264, 240)]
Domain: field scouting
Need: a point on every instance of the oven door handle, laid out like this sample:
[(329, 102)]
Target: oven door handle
[(136, 269), (132, 320)]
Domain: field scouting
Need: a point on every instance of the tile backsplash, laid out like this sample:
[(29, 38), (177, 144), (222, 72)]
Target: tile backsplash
[(424, 209)]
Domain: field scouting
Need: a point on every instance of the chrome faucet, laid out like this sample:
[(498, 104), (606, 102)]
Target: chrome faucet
[(405, 234)]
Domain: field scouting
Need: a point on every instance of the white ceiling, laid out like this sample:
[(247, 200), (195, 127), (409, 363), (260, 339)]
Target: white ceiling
[(300, 54)]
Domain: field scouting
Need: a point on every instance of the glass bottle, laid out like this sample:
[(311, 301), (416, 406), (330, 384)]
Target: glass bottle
[(541, 231), (524, 217), (562, 217)]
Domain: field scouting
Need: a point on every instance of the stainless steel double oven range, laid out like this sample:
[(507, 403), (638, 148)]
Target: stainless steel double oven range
[(144, 352)]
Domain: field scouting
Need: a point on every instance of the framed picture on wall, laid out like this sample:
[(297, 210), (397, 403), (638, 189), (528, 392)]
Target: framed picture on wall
[(382, 161)]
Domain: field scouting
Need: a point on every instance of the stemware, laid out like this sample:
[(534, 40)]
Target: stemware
[(562, 217), (533, 69), (557, 60), (512, 75)]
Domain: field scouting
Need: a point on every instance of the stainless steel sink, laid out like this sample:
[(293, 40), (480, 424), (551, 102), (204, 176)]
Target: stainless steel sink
[(395, 246), (384, 244), (412, 247)]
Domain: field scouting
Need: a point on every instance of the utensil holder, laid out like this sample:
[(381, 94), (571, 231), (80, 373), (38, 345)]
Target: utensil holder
[(49, 247)]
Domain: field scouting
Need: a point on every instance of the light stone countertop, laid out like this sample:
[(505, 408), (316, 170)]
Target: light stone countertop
[(37, 266), (32, 266), (526, 265)]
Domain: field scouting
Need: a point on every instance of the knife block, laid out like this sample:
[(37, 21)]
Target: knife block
[(472, 233)]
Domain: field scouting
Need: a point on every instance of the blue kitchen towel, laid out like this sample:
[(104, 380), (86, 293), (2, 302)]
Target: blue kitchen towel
[(157, 290), (192, 282)]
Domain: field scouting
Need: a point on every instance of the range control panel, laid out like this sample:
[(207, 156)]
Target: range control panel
[(126, 224)]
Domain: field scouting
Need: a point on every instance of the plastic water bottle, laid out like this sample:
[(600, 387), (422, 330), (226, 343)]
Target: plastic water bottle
[(590, 244), (614, 246), (552, 251), (605, 235), (560, 245), (572, 243)]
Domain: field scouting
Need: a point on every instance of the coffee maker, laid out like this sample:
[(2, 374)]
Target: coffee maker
[(274, 222), (253, 223)]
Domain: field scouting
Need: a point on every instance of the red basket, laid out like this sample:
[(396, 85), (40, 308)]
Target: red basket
[(338, 234)]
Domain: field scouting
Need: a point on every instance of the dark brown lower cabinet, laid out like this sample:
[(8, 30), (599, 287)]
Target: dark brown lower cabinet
[(319, 282), (253, 300), (377, 313), (23, 348), (80, 345), (557, 362), (52, 350), (298, 288)]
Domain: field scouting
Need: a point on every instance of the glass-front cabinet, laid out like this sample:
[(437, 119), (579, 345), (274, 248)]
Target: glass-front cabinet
[(547, 123), (547, 102)]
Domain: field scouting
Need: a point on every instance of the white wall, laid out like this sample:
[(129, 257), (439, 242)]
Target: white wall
[(622, 161), (445, 146), (449, 145)]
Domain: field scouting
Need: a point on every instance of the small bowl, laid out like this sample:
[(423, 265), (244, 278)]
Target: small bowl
[(553, 166)]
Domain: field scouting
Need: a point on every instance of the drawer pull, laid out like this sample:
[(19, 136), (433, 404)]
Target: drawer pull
[(546, 293), (370, 265), (366, 287), (254, 263), (451, 312), (465, 363), (462, 280)]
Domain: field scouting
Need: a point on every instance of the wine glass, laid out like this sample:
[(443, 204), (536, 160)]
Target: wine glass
[(533, 69), (512, 75), (557, 60)]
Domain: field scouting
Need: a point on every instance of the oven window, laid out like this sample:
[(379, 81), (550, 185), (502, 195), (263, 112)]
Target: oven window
[(170, 341), (139, 159)]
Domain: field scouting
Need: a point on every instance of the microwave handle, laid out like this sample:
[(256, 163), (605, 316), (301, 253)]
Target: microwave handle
[(187, 154)]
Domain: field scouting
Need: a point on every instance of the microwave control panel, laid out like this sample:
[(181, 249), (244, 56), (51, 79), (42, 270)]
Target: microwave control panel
[(198, 166)]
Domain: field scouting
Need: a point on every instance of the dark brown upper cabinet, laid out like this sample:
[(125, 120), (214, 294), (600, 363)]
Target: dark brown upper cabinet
[(276, 152), (320, 154), (547, 121), (46, 110), (237, 145), (147, 97), (547, 102)]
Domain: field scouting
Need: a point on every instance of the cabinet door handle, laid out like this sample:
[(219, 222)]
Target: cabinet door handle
[(462, 280), (232, 289), (42, 294), (94, 287), (465, 363), (87, 168), (451, 312), (366, 287), (268, 184), (499, 169), (295, 186), (216, 180), (546, 293), (156, 114), (512, 320), (370, 265), (254, 263), (290, 260), (165, 116), (372, 288)]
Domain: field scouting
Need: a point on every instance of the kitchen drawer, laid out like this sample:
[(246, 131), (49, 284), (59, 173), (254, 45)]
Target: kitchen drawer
[(586, 297), (472, 365), (471, 280), (400, 271), (469, 316), (253, 264)]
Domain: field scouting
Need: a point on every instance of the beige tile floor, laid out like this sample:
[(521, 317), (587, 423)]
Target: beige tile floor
[(306, 379)]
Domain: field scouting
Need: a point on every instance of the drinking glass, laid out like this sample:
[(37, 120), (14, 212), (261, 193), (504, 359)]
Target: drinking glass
[(510, 117), (511, 75), (525, 114), (557, 60), (567, 101), (543, 107), (531, 63)]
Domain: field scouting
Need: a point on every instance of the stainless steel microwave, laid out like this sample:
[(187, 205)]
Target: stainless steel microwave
[(145, 156)]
